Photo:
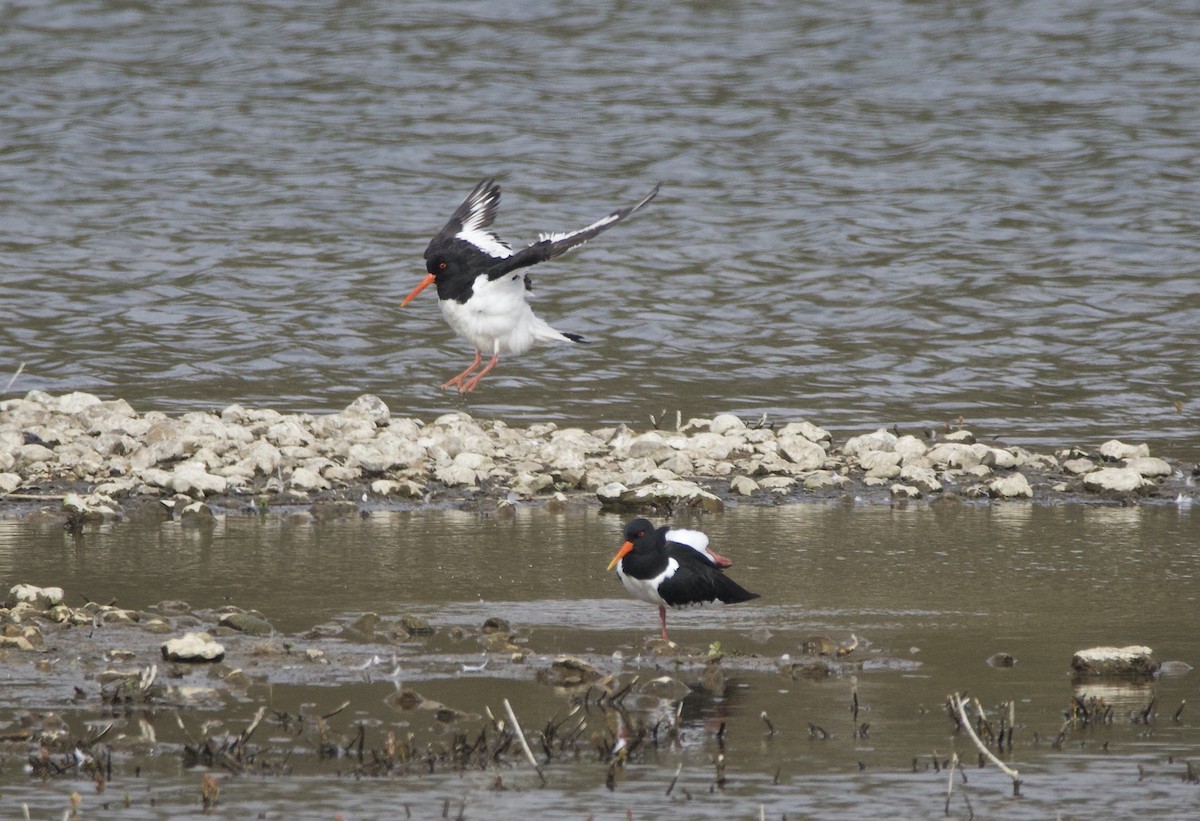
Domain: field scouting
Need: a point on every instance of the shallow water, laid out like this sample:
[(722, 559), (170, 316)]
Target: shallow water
[(931, 593), (872, 213)]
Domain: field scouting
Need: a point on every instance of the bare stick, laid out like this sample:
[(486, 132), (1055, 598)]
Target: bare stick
[(961, 709), (521, 737), (678, 770), (14, 377), (950, 780), (249, 731), (345, 704), (770, 726)]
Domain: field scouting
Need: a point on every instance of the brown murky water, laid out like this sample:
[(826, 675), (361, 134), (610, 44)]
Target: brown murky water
[(930, 593)]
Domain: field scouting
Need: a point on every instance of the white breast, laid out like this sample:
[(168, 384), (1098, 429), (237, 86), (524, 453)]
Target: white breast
[(497, 319), (647, 589)]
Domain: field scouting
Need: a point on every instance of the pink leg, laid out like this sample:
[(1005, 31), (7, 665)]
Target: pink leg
[(470, 384), (456, 382), (662, 614)]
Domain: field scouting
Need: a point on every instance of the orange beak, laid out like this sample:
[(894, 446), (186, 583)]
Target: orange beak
[(625, 548), (425, 283)]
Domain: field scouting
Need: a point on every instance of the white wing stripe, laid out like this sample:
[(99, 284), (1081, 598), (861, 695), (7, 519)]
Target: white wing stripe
[(485, 241), (597, 224)]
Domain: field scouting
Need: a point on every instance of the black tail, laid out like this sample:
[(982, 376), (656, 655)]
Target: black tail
[(575, 338), (730, 592)]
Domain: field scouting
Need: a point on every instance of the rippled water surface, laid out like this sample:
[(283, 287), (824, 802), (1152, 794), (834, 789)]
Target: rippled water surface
[(872, 213)]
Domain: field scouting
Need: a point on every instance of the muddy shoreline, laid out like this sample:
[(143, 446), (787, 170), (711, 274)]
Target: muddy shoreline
[(89, 459)]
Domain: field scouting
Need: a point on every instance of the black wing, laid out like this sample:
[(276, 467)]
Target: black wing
[(553, 245), (696, 581), (470, 223)]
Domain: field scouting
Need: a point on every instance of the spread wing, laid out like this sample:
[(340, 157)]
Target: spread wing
[(471, 220), (553, 245)]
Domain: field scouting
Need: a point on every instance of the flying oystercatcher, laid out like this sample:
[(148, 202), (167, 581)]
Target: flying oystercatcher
[(480, 287), (672, 567)]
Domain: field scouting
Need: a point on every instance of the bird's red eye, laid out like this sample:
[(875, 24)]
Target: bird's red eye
[(441, 266)]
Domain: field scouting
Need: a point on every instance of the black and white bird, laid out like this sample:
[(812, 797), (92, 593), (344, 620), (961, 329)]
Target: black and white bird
[(480, 286), (673, 567)]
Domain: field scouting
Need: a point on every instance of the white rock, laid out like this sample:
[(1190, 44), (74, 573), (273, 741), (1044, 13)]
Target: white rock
[(955, 455), (368, 407), (678, 463), (474, 461), (905, 491), (193, 647), (1011, 487), (725, 423), (9, 482), (647, 446), (672, 493), (289, 432), (1132, 660), (909, 446), (1149, 466), (711, 446), (883, 471), (961, 437), (806, 455), (41, 598), (342, 474), (304, 478), (193, 479), (157, 477), (405, 487), (611, 492), (27, 455), (806, 429), (778, 484), (197, 513), (262, 457), (1115, 450), (1119, 480), (1079, 466), (743, 485), (920, 477), (822, 479), (873, 460), (1000, 458), (879, 440), (456, 475), (75, 402)]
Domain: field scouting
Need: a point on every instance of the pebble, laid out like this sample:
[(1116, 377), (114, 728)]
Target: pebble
[(193, 647), (1114, 661), (1118, 480), (127, 459), (41, 598), (1115, 450), (1015, 486), (743, 485)]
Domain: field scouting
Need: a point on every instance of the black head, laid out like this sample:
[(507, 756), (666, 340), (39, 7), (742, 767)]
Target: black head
[(637, 530), (454, 266)]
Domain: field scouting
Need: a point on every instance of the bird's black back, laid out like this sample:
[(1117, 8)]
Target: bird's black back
[(696, 579)]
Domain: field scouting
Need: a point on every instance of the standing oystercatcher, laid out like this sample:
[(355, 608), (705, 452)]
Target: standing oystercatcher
[(479, 284), (673, 567)]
